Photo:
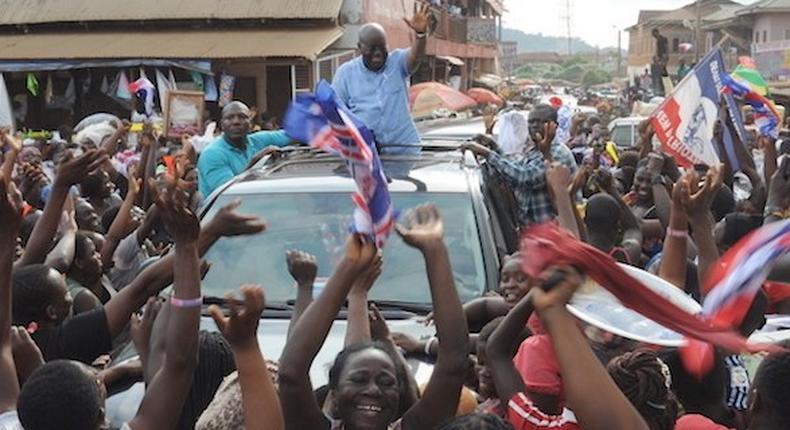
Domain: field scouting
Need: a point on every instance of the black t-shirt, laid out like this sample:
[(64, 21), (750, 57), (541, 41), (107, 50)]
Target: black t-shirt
[(83, 337)]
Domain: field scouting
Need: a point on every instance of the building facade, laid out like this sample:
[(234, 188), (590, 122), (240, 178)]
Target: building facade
[(275, 49), (679, 26), (464, 39), (770, 37)]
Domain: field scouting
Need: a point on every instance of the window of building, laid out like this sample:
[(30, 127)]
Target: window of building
[(787, 34), (765, 36), (675, 44), (756, 37), (325, 70)]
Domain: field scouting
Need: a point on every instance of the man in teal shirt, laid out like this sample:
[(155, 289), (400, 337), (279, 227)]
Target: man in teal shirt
[(230, 153)]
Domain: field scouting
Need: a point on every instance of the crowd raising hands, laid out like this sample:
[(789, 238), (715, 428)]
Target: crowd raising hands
[(90, 246)]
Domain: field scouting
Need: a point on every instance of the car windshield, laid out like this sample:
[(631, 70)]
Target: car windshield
[(621, 135), (318, 223)]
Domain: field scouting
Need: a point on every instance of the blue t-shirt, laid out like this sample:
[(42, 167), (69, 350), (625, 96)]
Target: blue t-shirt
[(380, 99), (221, 161)]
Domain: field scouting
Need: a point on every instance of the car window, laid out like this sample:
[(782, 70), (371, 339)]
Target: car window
[(318, 223), (621, 135)]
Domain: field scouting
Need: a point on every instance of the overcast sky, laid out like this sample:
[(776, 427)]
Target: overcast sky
[(595, 21)]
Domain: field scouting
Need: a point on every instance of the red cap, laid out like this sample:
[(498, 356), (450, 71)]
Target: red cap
[(697, 422), (555, 101)]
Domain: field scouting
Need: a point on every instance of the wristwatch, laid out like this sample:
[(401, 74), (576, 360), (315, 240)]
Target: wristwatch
[(658, 180), (421, 35)]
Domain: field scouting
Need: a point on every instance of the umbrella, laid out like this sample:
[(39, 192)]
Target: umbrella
[(427, 97), (752, 78), (484, 96)]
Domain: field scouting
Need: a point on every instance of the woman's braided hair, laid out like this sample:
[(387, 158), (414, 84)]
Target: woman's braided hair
[(646, 380)]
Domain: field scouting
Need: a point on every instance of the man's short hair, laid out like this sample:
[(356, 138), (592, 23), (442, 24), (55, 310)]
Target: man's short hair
[(33, 292), (773, 386), (547, 110), (61, 395)]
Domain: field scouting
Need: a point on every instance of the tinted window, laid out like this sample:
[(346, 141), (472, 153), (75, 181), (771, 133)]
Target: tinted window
[(318, 223)]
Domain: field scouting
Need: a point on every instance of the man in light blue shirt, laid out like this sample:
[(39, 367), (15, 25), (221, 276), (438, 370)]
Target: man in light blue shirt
[(230, 154), (374, 86)]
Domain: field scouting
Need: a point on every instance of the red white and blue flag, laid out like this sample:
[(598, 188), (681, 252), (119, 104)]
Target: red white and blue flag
[(733, 284), (766, 117), (684, 122), (318, 119)]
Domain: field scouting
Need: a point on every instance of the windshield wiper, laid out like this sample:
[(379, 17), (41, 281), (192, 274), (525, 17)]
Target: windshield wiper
[(223, 302)]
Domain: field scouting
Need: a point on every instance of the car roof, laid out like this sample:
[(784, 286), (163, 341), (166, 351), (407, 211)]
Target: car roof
[(627, 121), (438, 168)]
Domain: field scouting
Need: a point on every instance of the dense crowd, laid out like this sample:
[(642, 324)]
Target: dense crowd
[(91, 242), (95, 228)]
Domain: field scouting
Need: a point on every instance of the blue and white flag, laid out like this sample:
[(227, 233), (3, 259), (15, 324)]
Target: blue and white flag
[(684, 122), (318, 119)]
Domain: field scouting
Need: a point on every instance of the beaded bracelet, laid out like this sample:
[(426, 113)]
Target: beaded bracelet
[(186, 303)]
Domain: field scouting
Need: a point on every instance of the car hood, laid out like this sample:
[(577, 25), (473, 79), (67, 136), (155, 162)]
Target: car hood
[(272, 334)]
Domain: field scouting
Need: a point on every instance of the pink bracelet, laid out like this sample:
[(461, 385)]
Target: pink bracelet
[(186, 303), (680, 234)]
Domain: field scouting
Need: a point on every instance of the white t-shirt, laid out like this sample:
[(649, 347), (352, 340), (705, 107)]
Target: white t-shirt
[(10, 421)]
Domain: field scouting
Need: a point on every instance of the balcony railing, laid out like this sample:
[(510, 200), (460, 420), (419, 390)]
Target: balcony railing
[(464, 29)]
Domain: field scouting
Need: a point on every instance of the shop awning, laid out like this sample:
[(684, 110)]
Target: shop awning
[(455, 61), (180, 44)]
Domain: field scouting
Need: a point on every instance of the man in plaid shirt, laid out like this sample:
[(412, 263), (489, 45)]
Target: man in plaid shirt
[(525, 173)]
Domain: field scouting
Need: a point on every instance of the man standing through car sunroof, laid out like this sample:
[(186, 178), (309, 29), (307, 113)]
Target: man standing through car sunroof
[(374, 85)]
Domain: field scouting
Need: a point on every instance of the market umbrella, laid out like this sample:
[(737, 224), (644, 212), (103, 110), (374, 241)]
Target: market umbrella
[(484, 96), (752, 78), (428, 97)]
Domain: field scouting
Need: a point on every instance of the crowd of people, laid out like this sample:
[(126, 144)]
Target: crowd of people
[(95, 228)]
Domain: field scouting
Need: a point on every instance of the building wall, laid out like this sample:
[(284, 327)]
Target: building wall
[(771, 45), (774, 27), (642, 47)]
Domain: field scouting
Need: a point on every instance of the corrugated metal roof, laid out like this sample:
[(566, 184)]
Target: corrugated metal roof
[(765, 6), (307, 43), (51, 11)]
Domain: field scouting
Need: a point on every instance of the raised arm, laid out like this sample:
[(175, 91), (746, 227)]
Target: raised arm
[(558, 177), (110, 145), (418, 23), (501, 348), (226, 223), (303, 268), (165, 396), (675, 253), (10, 220), (120, 224), (259, 398), (697, 204), (9, 157), (423, 229), (69, 173), (358, 327), (300, 407), (62, 255), (580, 369)]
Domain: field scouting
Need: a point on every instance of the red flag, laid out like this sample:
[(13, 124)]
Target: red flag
[(545, 245)]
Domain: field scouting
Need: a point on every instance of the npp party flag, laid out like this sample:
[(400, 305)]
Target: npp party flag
[(733, 283), (545, 245), (321, 121), (766, 117), (144, 90), (684, 121)]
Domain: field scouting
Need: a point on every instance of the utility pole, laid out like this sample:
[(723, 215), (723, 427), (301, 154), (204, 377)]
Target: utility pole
[(568, 26), (619, 52), (697, 31)]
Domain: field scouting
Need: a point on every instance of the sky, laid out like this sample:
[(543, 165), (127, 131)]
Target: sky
[(595, 21)]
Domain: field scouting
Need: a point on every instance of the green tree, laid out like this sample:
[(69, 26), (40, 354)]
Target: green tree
[(595, 76)]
